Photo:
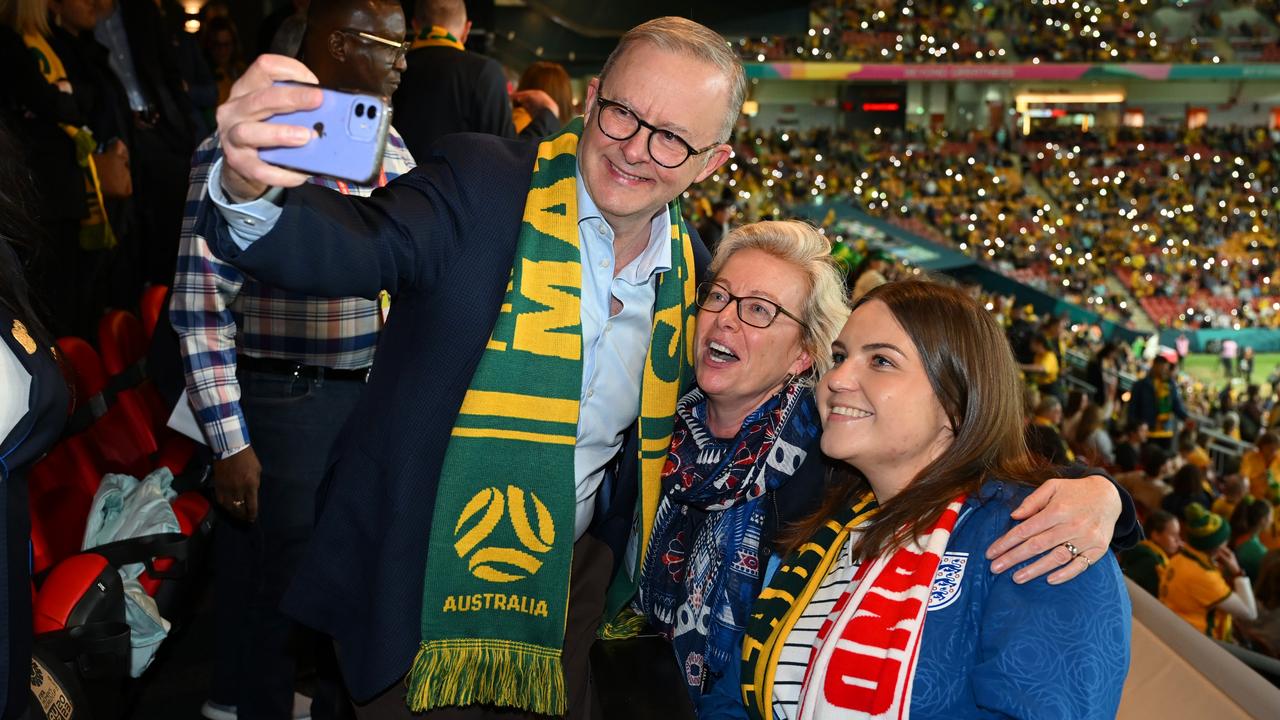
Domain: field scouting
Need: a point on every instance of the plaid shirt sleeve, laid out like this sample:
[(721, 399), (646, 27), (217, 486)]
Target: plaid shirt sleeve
[(203, 289), (396, 158)]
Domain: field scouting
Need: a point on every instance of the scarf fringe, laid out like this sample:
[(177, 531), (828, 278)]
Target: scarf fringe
[(627, 624), (469, 672)]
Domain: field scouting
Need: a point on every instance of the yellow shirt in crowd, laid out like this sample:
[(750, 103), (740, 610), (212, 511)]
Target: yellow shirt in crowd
[(1192, 587), (1049, 362), (1223, 507), (1254, 467)]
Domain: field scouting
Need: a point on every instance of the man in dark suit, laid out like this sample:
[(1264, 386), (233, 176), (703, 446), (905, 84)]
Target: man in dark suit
[(448, 89), (713, 228), (443, 241), (143, 58)]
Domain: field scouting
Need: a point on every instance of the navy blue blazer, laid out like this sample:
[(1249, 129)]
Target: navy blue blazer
[(26, 443), (441, 239)]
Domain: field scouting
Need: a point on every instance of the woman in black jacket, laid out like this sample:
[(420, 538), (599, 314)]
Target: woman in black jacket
[(33, 409)]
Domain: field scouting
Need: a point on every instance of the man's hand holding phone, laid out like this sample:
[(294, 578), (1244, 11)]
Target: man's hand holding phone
[(242, 126)]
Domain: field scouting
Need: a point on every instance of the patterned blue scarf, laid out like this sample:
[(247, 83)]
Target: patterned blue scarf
[(702, 571)]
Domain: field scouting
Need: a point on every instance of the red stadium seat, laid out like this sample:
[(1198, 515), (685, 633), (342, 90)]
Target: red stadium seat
[(81, 589), (61, 489), (150, 305), (122, 340), (124, 347), (87, 377)]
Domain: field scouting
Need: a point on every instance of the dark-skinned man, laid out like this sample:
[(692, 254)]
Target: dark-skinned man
[(273, 375), (504, 464)]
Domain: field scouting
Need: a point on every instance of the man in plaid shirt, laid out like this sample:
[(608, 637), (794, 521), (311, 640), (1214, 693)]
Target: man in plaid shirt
[(272, 376)]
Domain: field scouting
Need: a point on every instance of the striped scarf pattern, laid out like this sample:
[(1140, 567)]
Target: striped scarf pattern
[(863, 663), (496, 588)]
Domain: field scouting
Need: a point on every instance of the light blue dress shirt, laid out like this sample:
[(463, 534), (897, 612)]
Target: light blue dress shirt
[(614, 348)]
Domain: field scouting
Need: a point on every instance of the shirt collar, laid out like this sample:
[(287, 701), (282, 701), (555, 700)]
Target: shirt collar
[(654, 259)]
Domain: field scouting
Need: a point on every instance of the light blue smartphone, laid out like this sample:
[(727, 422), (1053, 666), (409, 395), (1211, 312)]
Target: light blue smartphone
[(350, 135)]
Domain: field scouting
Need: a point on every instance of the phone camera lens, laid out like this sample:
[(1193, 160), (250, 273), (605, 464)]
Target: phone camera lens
[(373, 112), (359, 109)]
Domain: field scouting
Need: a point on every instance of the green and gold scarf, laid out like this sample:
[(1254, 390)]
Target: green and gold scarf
[(497, 578), (436, 36), (784, 600), (95, 230)]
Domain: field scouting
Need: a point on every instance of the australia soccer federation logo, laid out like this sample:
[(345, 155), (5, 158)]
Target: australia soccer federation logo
[(489, 556), (946, 582)]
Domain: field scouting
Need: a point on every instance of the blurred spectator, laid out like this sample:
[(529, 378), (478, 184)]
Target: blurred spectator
[(226, 59), (1156, 402), (192, 66), (1231, 424), (1265, 631), (1228, 356), (143, 58), (1234, 487), (552, 79), (1245, 365), (1145, 563), (1149, 485), (447, 89), (1192, 453), (1077, 401), (1091, 439), (1188, 488), (1044, 369), (1203, 583), (870, 273), (1251, 413), (1262, 466), (1128, 453), (716, 225), (1250, 518), (1102, 373), (1043, 435), (39, 108)]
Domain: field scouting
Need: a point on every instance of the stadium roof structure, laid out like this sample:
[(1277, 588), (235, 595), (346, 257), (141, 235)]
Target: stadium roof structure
[(997, 72)]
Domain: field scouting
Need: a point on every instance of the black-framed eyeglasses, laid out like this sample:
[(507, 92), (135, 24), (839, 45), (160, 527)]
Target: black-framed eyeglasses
[(619, 122), (754, 311), (401, 48)]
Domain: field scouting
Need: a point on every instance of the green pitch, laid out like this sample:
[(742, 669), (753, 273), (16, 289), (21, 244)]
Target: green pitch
[(1208, 369)]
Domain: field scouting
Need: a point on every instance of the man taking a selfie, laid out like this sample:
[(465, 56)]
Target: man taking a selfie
[(272, 375), (504, 464)]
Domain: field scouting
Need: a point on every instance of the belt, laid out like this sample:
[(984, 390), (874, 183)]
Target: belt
[(275, 366)]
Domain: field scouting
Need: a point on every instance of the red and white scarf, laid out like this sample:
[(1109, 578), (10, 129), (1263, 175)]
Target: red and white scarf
[(864, 660)]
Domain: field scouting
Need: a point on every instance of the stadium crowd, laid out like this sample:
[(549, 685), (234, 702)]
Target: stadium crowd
[(927, 31), (1183, 223)]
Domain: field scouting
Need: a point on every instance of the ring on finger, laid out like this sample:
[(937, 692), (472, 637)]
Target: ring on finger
[(1071, 548), (1086, 560)]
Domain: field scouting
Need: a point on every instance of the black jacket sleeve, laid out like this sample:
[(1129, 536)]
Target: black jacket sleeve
[(1128, 531)]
